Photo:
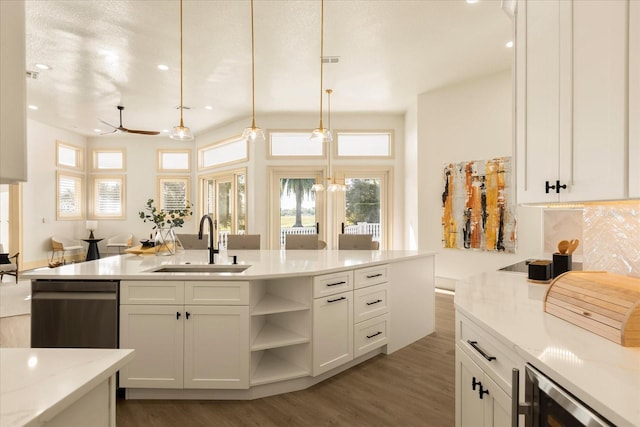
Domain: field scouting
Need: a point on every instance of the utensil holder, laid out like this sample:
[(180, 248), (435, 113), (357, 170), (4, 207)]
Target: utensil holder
[(561, 264)]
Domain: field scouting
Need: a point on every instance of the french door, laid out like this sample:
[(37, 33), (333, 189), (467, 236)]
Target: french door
[(294, 207), (224, 198), (364, 208)]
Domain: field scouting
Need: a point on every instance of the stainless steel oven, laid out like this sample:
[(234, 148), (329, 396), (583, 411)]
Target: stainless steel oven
[(548, 404)]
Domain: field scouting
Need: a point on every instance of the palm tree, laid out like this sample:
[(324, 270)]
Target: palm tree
[(300, 187)]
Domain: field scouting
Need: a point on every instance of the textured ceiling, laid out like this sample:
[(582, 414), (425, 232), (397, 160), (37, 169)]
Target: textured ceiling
[(105, 53)]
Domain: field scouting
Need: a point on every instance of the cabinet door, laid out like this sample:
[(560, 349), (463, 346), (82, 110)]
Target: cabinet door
[(597, 170), (216, 347), (155, 332), (332, 331), (537, 99), (497, 405), (469, 407)]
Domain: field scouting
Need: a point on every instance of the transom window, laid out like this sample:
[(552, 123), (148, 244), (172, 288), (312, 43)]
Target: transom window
[(294, 144), (174, 160), (365, 144), (233, 150), (68, 156), (108, 160)]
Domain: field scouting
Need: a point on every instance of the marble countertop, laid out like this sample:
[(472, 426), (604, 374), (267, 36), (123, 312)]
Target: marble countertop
[(36, 384), (601, 373), (264, 264)]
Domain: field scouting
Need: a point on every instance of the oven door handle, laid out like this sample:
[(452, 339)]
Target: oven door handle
[(517, 408)]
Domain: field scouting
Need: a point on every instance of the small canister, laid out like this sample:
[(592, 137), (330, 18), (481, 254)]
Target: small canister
[(561, 264), (540, 270)]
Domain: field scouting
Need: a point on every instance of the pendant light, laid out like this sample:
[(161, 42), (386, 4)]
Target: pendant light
[(181, 132), (253, 133), (332, 182), (321, 134)]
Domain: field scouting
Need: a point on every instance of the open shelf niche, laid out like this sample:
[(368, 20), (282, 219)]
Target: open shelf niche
[(280, 329)]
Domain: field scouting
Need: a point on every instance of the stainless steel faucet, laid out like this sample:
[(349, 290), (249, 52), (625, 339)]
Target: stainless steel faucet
[(212, 250)]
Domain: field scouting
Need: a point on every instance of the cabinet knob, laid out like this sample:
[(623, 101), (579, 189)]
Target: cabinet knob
[(482, 391), (178, 314), (475, 383), (187, 314), (556, 187)]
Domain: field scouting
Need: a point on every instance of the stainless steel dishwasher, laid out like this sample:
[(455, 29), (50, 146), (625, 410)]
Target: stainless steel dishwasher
[(74, 313)]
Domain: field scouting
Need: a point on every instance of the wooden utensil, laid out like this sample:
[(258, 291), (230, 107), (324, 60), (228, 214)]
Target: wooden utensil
[(573, 245), (563, 246)]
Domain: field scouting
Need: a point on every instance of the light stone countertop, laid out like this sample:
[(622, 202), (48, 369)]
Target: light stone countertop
[(601, 373), (264, 264), (36, 384)]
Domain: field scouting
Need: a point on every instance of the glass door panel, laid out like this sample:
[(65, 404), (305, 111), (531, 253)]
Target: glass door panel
[(297, 207), (224, 208), (224, 198)]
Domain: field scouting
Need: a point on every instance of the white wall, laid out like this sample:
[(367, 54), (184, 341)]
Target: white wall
[(471, 120), (39, 192)]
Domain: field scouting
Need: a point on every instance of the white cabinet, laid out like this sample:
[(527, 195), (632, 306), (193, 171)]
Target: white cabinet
[(574, 130), (332, 331), (371, 309), (480, 402), (483, 377), (190, 346)]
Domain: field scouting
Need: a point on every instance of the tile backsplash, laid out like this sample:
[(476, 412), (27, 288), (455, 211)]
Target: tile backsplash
[(610, 235)]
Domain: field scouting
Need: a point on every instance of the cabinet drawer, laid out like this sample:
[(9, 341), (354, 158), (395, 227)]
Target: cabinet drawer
[(370, 276), (474, 341), (371, 334), (370, 302), (151, 292), (329, 284), (216, 293)]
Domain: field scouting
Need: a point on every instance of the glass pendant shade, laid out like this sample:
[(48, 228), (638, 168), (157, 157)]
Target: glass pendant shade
[(321, 134), (181, 133), (253, 134)]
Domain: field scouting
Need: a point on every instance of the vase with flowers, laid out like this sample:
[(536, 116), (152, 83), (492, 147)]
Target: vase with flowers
[(166, 242)]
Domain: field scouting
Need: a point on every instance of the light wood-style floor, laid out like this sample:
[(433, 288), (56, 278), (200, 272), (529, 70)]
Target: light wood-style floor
[(411, 387)]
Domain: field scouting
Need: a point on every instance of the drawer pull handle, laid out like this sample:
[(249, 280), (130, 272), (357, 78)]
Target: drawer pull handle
[(374, 302), (374, 335), (337, 299), (336, 284), (475, 345), (374, 275)]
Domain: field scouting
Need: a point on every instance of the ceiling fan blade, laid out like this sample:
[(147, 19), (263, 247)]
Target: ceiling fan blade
[(142, 132), (109, 133), (109, 124)]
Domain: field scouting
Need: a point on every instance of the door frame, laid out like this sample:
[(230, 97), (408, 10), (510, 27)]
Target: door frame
[(275, 174)]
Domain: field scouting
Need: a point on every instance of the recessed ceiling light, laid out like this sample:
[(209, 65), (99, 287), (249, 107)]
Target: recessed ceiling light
[(509, 44), (32, 107), (165, 130), (97, 130), (163, 67), (43, 66), (472, 1), (208, 107)]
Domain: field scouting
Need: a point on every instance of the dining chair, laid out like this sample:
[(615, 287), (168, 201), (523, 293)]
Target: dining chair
[(243, 241), (302, 241), (191, 241), (8, 267), (355, 241), (120, 241)]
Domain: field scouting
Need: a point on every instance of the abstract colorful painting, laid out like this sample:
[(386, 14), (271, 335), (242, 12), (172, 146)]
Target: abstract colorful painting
[(477, 212)]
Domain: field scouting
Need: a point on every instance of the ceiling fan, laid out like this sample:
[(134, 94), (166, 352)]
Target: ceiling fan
[(124, 129)]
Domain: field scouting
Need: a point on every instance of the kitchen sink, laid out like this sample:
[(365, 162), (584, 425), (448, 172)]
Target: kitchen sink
[(200, 268)]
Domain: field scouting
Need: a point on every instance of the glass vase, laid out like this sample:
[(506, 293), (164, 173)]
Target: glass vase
[(165, 241)]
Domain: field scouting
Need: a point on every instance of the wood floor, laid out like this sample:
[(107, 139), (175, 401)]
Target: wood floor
[(411, 387)]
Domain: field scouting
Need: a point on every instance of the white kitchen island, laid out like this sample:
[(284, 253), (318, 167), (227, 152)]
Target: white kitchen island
[(502, 314), (288, 321), (59, 387)]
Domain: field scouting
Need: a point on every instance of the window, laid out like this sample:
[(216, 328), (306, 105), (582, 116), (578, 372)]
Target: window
[(174, 160), (173, 192), (107, 194), (365, 144), (108, 160), (294, 144), (224, 198), (68, 156), (230, 151), (69, 197)]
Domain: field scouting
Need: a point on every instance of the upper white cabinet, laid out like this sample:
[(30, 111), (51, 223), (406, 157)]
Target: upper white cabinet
[(576, 100)]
